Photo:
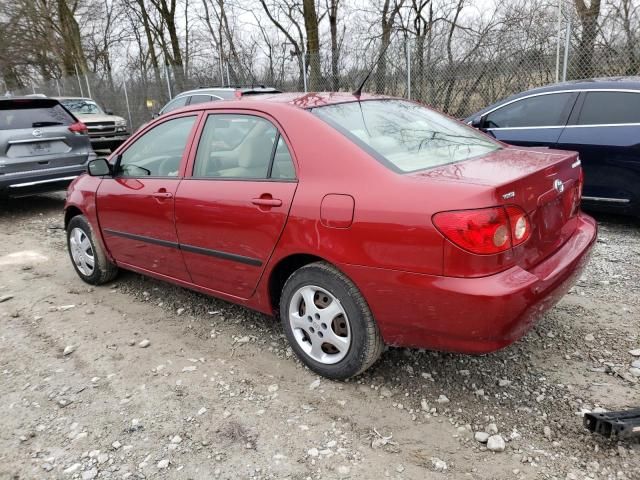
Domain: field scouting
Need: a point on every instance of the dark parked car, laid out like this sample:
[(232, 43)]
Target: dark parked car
[(43, 147), (212, 94), (362, 220), (600, 119)]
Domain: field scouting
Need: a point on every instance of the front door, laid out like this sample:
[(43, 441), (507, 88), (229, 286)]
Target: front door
[(532, 121), (231, 211), (136, 207)]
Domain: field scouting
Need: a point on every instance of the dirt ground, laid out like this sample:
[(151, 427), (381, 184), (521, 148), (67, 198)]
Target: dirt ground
[(218, 394)]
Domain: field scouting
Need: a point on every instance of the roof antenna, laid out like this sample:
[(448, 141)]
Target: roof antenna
[(358, 91)]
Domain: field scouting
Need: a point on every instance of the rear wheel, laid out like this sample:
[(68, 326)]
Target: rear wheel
[(328, 323), (88, 258)]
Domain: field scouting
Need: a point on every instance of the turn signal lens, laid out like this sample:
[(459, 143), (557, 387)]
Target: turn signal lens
[(485, 231)]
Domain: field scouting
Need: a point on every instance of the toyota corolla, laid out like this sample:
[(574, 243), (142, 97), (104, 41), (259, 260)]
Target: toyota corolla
[(360, 221)]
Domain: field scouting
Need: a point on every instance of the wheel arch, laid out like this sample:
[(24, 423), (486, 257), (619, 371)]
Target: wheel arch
[(283, 269), (70, 212)]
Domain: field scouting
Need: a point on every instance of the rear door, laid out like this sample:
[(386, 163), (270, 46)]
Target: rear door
[(232, 209), (35, 135), (136, 207), (531, 121), (606, 134)]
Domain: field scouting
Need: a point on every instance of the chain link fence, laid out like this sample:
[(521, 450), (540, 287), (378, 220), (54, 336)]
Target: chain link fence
[(457, 74)]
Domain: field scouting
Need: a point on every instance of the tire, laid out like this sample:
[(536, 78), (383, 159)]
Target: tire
[(336, 336), (83, 248)]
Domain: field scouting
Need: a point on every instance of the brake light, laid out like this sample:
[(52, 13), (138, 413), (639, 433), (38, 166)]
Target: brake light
[(78, 128), (485, 231)]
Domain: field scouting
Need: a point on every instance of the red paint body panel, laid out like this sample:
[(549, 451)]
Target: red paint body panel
[(471, 315), (219, 215), (128, 206), (423, 290)]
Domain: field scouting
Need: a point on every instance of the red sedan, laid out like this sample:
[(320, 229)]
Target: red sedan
[(360, 221)]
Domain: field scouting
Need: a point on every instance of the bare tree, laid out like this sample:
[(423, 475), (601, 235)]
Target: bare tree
[(588, 16)]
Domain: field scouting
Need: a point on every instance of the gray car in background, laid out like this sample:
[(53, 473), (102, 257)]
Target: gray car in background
[(43, 147), (212, 94)]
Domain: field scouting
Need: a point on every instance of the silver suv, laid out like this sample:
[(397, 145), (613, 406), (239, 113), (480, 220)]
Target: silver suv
[(43, 147), (212, 94)]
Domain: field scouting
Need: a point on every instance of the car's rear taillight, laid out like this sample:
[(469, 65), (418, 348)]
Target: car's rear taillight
[(485, 231), (78, 128), (520, 225)]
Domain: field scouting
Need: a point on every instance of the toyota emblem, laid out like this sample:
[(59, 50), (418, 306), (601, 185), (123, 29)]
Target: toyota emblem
[(558, 185), (37, 132)]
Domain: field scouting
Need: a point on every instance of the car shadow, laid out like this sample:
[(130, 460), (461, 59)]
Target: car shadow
[(44, 204)]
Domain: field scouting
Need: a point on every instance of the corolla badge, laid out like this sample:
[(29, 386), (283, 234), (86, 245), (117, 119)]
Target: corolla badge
[(558, 185), (37, 132)]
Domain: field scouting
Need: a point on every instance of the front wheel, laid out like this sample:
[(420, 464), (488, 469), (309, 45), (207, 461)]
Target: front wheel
[(88, 258), (328, 322)]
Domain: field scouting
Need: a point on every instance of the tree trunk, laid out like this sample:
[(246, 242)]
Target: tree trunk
[(589, 22), (335, 49), (313, 43), (72, 54)]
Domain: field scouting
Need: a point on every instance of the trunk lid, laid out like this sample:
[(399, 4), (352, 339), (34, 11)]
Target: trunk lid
[(546, 184)]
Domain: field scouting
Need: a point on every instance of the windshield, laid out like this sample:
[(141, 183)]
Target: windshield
[(404, 135), (84, 107)]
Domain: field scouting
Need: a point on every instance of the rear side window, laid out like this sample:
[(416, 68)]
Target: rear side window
[(239, 146), (610, 108), (200, 99), (24, 114), (540, 111), (405, 136)]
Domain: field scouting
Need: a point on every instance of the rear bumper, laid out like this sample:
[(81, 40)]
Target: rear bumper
[(471, 315), (47, 180)]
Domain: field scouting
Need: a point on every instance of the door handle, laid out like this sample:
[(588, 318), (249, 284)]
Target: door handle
[(267, 202), (162, 194)]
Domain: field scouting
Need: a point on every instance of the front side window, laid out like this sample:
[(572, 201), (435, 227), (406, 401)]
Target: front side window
[(158, 152), (175, 104), (539, 111), (242, 146), (404, 135), (610, 108)]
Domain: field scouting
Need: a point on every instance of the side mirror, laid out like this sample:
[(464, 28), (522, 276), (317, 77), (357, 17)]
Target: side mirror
[(99, 167), (477, 122), (109, 112)]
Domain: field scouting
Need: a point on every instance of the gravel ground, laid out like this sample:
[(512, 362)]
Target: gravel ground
[(141, 379)]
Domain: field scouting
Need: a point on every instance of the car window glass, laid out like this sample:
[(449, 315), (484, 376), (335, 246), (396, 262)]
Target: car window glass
[(82, 106), (175, 104), (200, 99), (158, 152), (282, 162), (405, 136), (539, 111), (235, 146), (610, 108), (20, 114)]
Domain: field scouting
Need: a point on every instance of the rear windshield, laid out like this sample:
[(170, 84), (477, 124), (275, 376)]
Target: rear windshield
[(18, 114), (406, 136)]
